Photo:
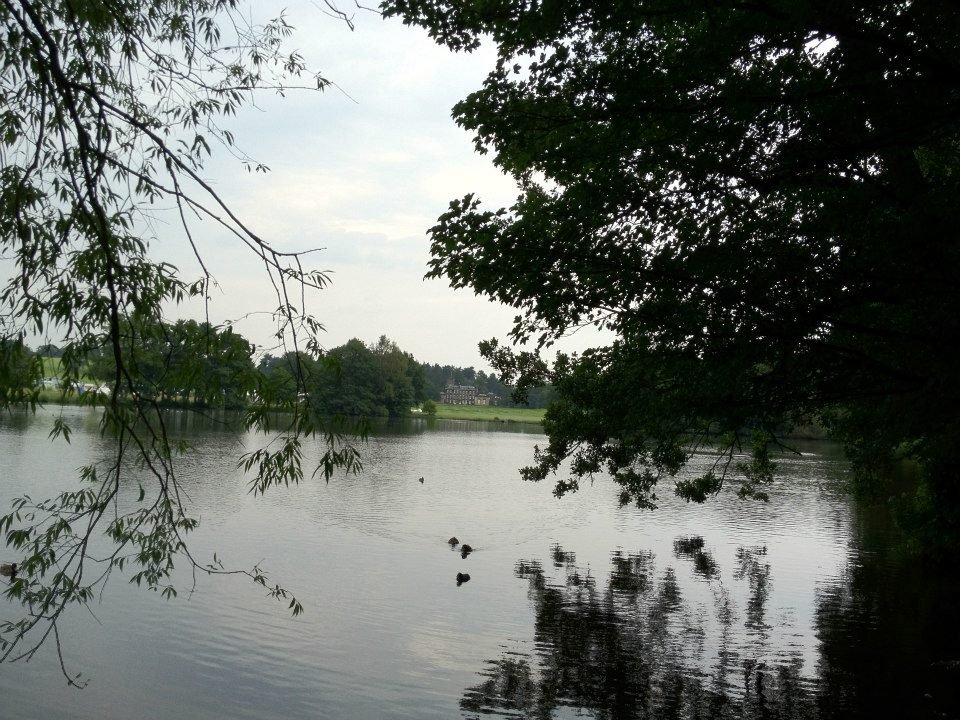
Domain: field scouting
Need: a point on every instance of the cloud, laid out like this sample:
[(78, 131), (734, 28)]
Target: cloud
[(361, 170)]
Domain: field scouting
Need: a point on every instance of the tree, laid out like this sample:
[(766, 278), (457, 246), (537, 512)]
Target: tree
[(186, 361), (20, 371), (280, 375), (347, 384), (401, 378), (108, 111), (355, 380), (49, 350), (758, 199)]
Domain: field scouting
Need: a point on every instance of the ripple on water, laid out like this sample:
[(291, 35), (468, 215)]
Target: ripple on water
[(573, 606)]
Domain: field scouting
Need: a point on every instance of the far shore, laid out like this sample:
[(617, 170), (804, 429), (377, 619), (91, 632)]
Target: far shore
[(493, 413), (482, 413)]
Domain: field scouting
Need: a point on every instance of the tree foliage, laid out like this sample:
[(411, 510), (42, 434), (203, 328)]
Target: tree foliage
[(353, 380), (20, 371), (758, 199), (185, 361), (108, 111)]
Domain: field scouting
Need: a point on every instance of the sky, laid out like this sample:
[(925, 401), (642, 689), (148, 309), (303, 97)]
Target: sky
[(361, 170)]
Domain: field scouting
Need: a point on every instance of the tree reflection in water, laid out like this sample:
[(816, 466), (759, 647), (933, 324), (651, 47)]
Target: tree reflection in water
[(632, 648), (887, 640), (889, 632)]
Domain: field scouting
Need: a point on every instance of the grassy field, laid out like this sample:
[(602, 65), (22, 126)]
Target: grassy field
[(489, 412), (51, 366)]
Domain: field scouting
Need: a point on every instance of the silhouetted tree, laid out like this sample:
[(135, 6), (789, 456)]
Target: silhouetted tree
[(758, 200)]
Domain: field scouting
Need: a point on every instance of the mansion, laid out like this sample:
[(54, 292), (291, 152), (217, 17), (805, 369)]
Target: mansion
[(466, 395)]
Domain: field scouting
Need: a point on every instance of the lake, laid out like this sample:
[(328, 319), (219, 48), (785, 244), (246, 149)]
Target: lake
[(803, 607)]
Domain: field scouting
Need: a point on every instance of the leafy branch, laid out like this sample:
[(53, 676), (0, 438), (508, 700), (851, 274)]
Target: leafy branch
[(107, 112)]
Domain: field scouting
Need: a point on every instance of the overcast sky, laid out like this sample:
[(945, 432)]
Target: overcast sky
[(361, 170)]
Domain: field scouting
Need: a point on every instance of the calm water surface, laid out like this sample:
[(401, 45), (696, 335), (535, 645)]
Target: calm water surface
[(799, 608)]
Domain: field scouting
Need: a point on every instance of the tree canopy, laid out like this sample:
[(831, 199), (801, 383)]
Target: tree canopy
[(759, 199), (108, 112), (195, 363), (352, 380)]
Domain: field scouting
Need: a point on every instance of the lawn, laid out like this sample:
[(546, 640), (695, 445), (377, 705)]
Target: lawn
[(51, 366), (489, 412)]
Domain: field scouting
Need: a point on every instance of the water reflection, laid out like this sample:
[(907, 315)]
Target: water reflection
[(796, 608), (889, 631), (691, 548), (751, 565), (634, 647), (636, 644)]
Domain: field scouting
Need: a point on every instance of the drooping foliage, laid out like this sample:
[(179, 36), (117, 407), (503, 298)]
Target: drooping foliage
[(108, 111), (758, 199)]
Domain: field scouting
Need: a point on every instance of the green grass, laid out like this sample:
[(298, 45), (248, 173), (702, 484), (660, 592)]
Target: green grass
[(51, 366), (489, 412), (48, 396)]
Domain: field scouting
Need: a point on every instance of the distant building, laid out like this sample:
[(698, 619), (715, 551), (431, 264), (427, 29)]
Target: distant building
[(465, 395)]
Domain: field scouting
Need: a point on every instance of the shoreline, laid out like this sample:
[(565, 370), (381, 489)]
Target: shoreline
[(489, 413)]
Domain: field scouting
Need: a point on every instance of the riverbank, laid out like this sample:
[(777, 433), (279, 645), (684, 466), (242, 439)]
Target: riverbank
[(491, 413), (50, 396)]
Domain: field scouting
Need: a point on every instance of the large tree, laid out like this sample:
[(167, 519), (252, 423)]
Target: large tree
[(758, 198), (187, 362), (108, 110), (355, 380)]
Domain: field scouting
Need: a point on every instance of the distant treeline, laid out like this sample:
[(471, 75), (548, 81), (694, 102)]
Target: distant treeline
[(199, 364)]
